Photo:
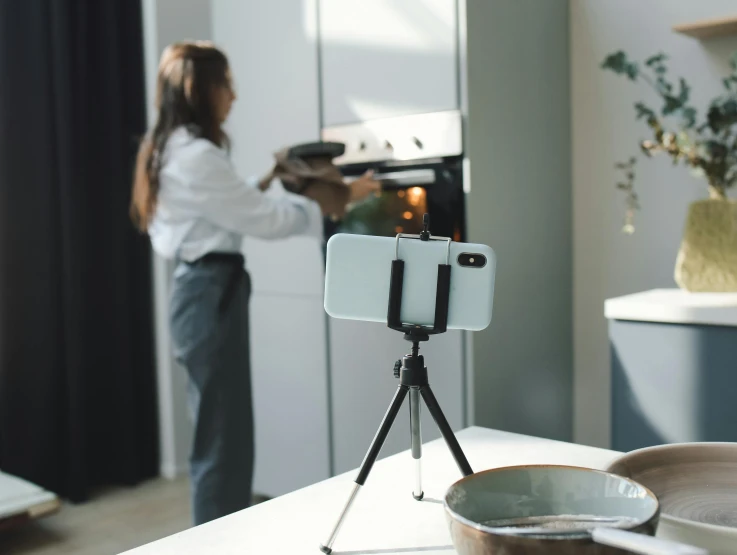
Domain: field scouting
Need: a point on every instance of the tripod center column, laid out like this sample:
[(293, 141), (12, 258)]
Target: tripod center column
[(416, 439)]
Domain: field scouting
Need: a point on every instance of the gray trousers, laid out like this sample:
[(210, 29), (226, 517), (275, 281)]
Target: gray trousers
[(209, 329)]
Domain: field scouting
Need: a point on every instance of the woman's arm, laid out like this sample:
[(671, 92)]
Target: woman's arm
[(213, 190)]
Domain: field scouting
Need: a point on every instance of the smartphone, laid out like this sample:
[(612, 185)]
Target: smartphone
[(358, 271)]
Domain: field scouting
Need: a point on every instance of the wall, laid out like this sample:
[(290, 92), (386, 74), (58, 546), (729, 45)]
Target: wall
[(608, 263), (164, 22), (518, 133)]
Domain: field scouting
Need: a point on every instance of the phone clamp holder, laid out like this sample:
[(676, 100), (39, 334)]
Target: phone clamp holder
[(412, 374)]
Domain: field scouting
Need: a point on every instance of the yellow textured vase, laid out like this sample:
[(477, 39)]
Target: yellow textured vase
[(707, 259)]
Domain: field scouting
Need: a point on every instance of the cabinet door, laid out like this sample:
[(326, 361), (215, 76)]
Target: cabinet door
[(292, 266), (290, 393), (272, 51), (362, 357), (385, 58)]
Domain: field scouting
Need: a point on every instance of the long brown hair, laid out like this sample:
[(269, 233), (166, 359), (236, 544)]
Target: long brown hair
[(188, 74)]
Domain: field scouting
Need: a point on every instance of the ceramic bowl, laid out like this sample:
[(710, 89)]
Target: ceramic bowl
[(477, 506), (696, 484)]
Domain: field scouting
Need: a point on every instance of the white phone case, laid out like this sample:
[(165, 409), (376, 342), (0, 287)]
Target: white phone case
[(359, 269)]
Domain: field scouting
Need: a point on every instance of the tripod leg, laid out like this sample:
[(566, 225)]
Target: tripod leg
[(368, 461), (416, 438), (445, 429)]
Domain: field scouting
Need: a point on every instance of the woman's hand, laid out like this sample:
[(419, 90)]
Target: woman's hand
[(364, 186)]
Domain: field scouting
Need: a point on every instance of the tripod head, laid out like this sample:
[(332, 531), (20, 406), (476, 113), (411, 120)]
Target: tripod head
[(425, 233), (415, 337)]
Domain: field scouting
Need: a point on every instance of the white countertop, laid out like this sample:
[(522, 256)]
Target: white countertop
[(674, 306), (385, 518)]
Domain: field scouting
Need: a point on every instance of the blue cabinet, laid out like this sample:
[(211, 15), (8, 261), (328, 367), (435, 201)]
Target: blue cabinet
[(673, 369)]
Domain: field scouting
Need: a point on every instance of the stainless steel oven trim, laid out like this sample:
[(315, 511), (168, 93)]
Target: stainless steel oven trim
[(407, 178), (404, 178), (403, 138)]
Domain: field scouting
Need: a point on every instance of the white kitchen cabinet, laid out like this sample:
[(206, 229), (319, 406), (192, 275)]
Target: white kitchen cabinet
[(272, 50), (385, 58), (290, 393), (292, 266), (362, 359)]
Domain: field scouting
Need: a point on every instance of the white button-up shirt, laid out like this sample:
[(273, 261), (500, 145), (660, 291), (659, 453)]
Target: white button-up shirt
[(204, 206)]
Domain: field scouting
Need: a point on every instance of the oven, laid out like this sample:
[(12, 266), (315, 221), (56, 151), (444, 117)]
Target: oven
[(419, 161)]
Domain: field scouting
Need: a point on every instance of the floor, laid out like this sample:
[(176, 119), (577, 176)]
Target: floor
[(114, 521)]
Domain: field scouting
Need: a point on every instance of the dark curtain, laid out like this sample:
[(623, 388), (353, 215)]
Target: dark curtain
[(77, 378)]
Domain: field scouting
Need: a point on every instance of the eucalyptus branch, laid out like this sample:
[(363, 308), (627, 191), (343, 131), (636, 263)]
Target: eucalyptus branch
[(631, 201), (710, 149)]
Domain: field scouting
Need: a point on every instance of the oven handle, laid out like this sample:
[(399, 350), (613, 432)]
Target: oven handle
[(403, 179)]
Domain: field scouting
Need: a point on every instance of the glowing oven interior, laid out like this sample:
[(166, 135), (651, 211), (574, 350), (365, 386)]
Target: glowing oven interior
[(388, 213)]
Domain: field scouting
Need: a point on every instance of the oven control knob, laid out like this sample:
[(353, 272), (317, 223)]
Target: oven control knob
[(418, 142), (388, 145)]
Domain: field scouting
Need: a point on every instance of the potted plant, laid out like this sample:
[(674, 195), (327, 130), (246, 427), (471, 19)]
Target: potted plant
[(707, 259)]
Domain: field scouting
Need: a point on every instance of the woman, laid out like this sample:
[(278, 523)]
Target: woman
[(197, 210)]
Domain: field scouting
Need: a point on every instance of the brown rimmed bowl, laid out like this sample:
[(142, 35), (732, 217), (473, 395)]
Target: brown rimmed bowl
[(476, 506), (696, 484)]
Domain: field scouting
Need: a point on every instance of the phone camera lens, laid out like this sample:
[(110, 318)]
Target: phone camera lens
[(470, 260)]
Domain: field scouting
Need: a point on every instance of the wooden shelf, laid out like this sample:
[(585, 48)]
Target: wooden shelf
[(709, 28)]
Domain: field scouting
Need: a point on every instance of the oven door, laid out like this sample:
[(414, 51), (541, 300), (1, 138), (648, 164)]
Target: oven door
[(408, 192)]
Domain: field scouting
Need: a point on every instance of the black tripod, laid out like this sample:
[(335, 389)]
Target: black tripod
[(412, 374)]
